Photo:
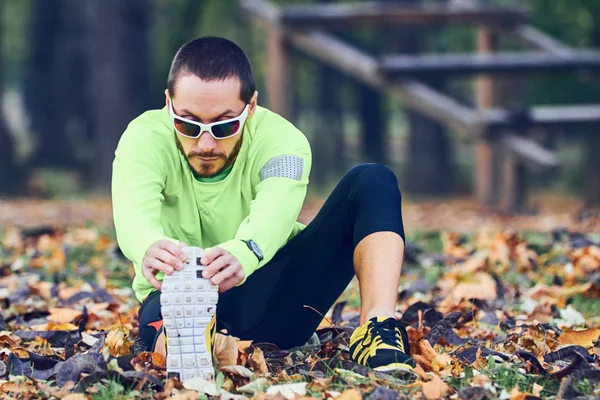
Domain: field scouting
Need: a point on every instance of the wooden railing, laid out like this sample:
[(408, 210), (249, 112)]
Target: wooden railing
[(502, 150)]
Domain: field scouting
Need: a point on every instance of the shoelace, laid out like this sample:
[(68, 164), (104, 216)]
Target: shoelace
[(387, 330)]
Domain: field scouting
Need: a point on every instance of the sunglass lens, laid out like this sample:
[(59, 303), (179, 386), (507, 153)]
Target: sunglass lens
[(187, 129), (225, 130)]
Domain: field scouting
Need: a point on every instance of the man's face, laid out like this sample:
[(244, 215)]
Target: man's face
[(207, 102)]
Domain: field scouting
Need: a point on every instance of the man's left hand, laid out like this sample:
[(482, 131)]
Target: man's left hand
[(222, 269)]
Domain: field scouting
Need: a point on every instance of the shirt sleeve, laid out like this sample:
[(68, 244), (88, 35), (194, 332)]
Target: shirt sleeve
[(138, 182), (280, 194)]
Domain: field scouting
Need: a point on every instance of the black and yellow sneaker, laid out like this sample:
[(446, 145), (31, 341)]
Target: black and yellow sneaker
[(381, 344), (188, 307)]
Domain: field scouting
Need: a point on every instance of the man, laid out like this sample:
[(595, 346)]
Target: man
[(209, 188)]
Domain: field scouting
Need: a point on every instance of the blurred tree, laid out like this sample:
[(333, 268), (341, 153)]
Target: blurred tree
[(55, 93), (117, 87), (11, 173), (329, 146), (174, 22), (429, 166), (9, 170)]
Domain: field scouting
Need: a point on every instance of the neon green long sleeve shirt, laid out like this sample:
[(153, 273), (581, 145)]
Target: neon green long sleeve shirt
[(155, 195)]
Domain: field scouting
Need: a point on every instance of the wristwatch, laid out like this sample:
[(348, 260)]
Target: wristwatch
[(254, 248)]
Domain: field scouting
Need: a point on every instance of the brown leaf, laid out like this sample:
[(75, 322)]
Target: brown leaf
[(435, 389), (257, 362), (585, 337), (159, 360), (63, 315), (225, 350), (350, 394), (478, 286), (75, 396), (427, 357), (117, 344)]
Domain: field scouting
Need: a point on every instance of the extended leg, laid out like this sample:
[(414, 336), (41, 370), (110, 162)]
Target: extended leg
[(378, 262)]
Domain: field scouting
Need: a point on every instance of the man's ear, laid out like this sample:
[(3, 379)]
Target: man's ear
[(167, 98), (253, 103)]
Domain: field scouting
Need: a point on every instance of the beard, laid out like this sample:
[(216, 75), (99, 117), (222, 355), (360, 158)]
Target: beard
[(210, 170)]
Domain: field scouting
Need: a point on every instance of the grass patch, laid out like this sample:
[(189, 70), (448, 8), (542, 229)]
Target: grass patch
[(587, 306), (506, 377)]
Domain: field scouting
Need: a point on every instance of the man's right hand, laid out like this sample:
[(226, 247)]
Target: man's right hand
[(163, 256)]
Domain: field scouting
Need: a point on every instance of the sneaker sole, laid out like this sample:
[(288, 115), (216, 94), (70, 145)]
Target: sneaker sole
[(188, 303)]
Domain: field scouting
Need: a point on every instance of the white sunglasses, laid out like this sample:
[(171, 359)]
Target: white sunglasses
[(218, 130)]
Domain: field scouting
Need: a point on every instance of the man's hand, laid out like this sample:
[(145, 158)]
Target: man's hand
[(222, 269), (163, 256)]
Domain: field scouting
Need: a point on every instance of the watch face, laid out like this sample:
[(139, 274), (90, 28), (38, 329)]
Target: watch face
[(254, 247)]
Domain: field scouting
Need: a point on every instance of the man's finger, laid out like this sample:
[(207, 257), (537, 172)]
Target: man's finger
[(211, 255), (215, 266), (169, 259), (223, 275), (172, 248), (152, 279), (229, 283), (181, 254), (160, 266)]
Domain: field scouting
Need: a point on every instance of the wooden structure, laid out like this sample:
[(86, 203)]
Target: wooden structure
[(502, 148)]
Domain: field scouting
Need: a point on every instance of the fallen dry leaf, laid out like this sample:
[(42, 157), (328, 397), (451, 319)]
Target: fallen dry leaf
[(225, 350), (257, 362), (63, 315), (350, 394), (435, 389), (116, 343), (583, 337)]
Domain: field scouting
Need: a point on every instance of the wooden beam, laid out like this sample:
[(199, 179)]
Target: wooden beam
[(423, 66), (540, 41), (327, 16), (262, 11), (530, 152), (545, 116), (362, 66)]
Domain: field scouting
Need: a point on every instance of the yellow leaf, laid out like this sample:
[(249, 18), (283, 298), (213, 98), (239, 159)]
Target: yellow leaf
[(585, 337), (435, 389), (116, 343)]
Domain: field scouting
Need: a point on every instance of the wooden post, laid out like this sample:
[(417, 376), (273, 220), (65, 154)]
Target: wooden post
[(486, 157), (513, 188), (277, 71), (592, 170)]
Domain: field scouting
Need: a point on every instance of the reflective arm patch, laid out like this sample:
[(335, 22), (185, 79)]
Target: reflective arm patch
[(285, 166)]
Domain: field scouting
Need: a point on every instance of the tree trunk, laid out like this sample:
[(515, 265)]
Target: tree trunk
[(55, 94), (118, 61), (11, 174), (329, 144)]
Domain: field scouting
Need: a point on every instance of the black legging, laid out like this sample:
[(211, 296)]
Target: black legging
[(312, 269)]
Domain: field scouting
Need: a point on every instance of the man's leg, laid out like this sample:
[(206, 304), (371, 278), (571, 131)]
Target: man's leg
[(378, 263), (359, 229)]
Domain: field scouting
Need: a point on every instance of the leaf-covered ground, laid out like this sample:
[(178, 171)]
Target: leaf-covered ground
[(491, 315)]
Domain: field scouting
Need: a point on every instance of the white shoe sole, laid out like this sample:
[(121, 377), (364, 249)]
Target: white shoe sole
[(188, 302)]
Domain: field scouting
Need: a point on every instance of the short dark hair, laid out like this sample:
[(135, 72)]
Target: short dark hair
[(213, 58)]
